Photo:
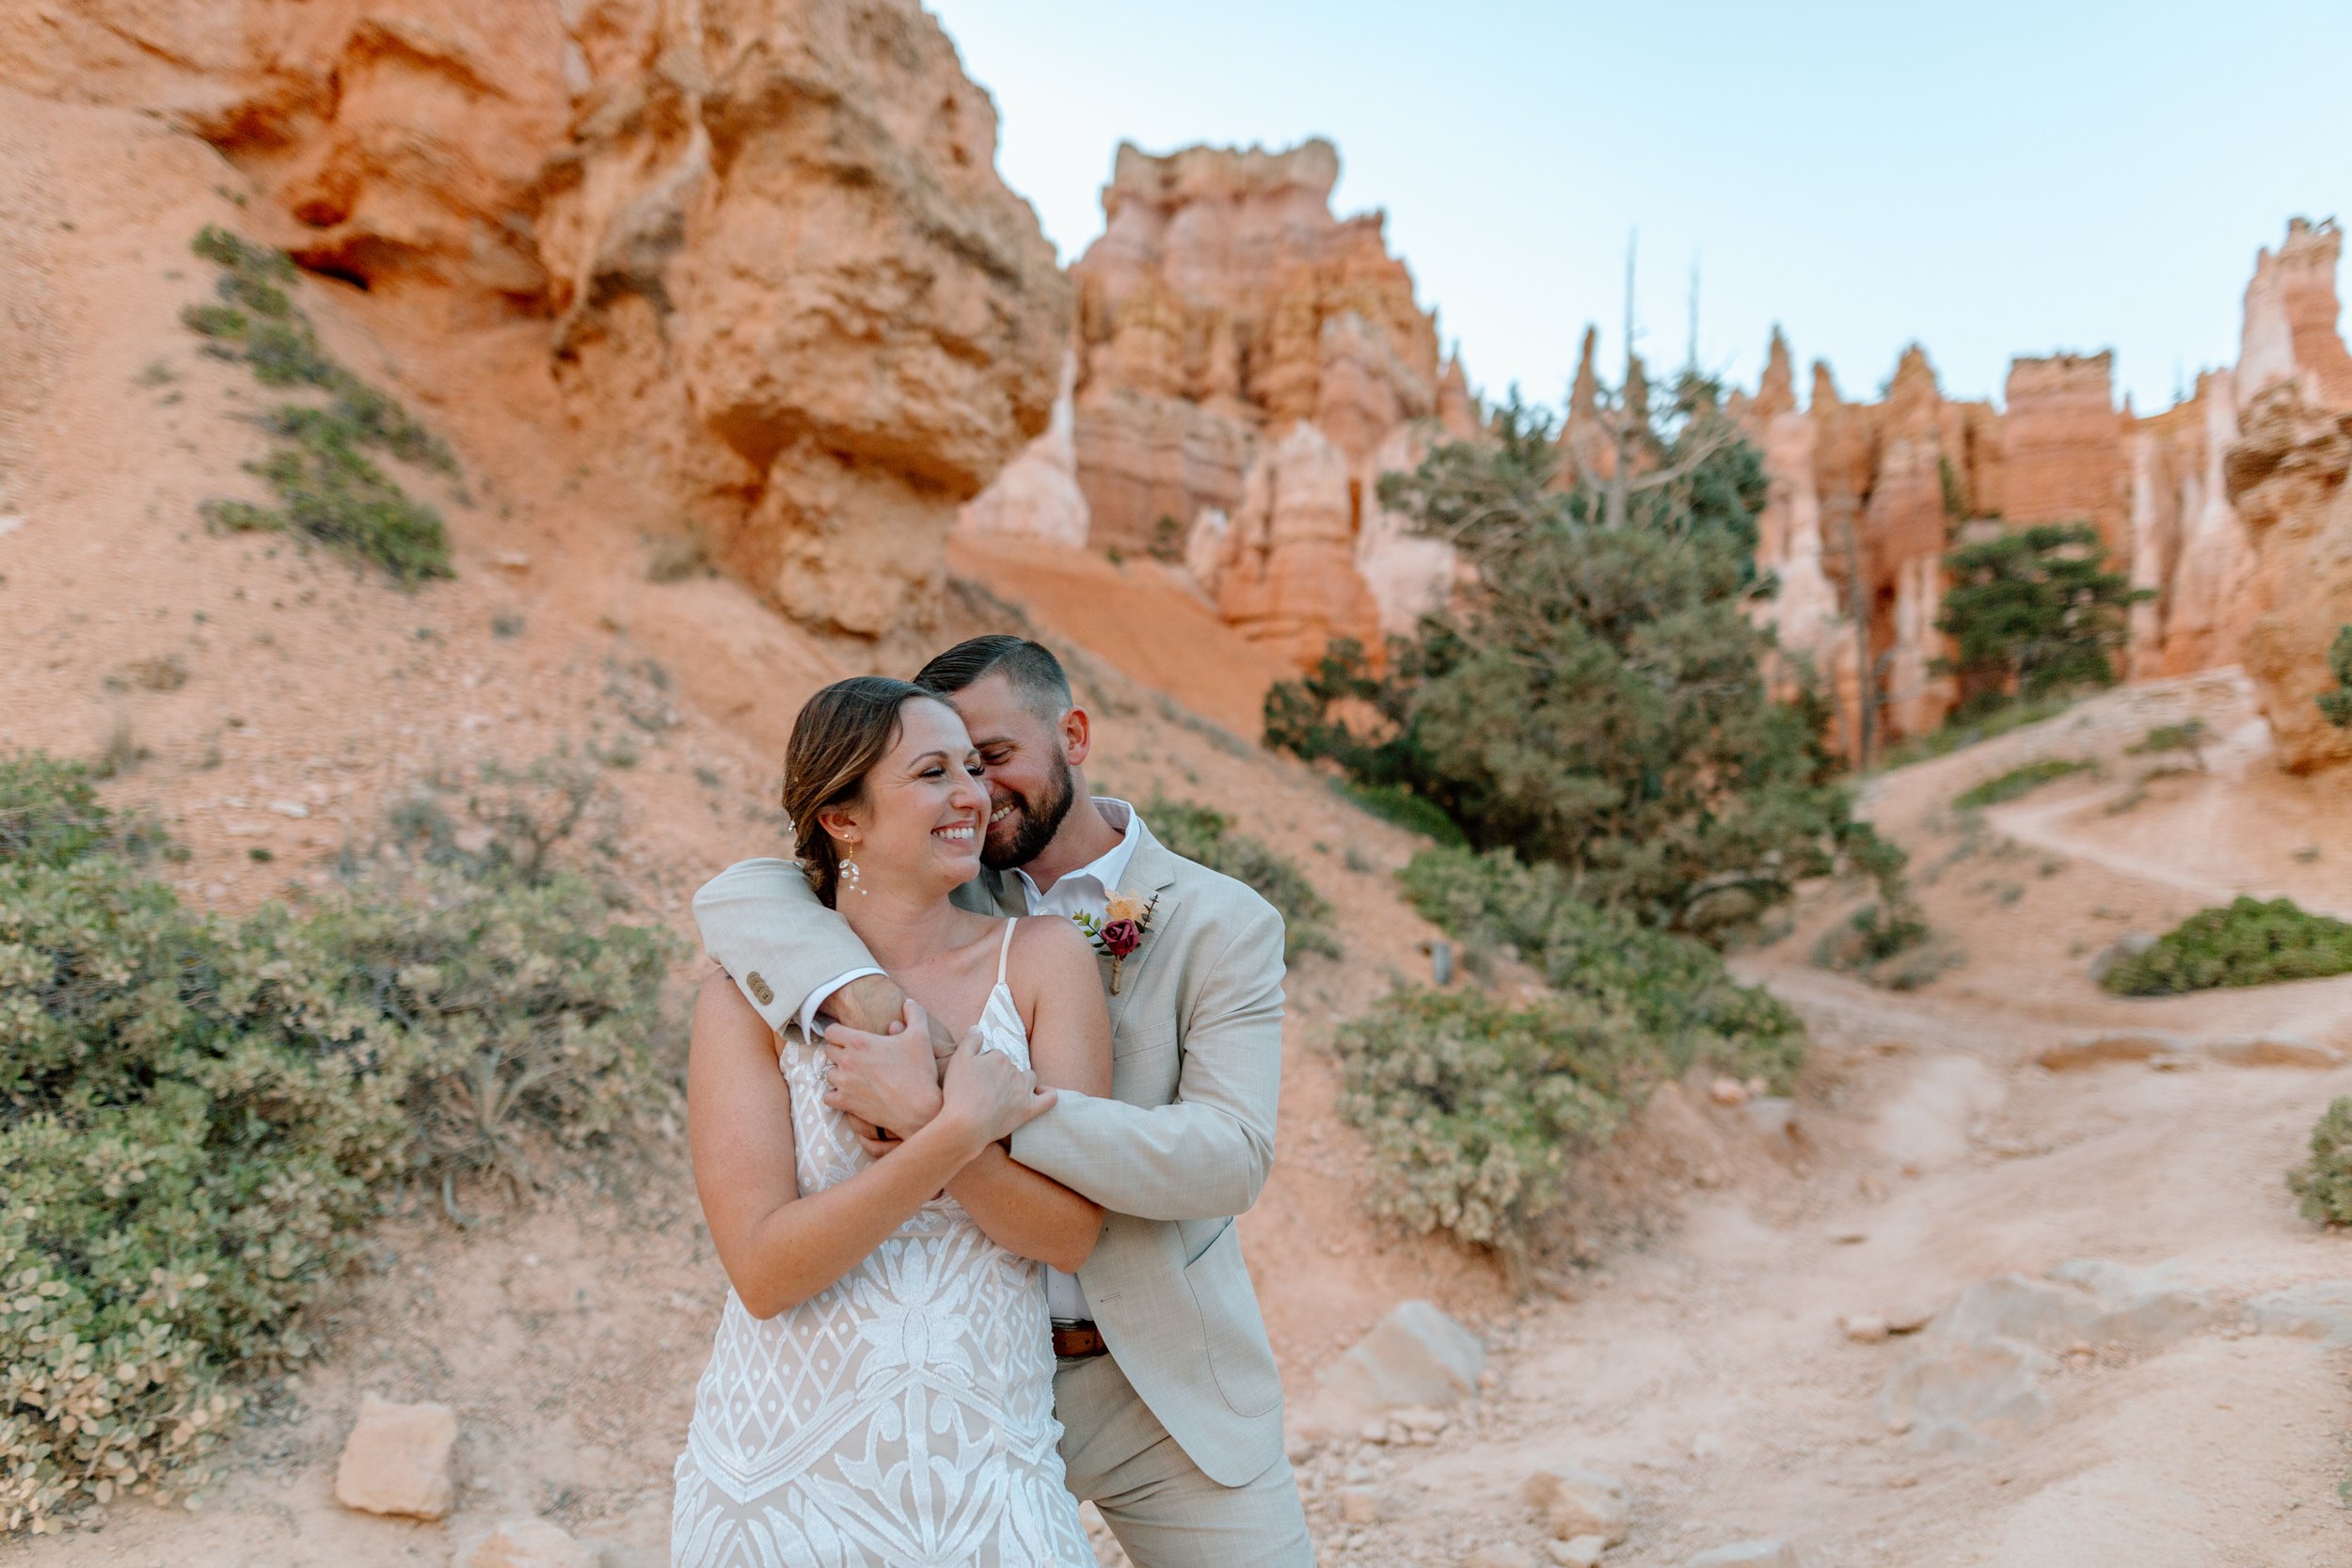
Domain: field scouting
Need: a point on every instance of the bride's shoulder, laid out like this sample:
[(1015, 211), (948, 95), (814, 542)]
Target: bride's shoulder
[(1049, 947)]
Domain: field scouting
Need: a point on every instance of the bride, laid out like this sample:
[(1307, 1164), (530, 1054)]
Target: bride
[(881, 1391)]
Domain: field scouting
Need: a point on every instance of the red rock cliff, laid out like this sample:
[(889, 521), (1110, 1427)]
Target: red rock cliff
[(768, 235)]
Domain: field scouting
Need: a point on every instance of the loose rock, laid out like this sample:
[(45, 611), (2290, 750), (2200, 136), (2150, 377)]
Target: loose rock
[(397, 1460), (525, 1544), (1358, 1505), (1864, 1329), (1583, 1552), (2321, 1311), (1416, 1356), (1577, 1502)]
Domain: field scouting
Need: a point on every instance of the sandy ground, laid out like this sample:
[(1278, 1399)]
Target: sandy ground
[(1698, 1357)]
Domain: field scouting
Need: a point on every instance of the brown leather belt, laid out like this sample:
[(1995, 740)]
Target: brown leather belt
[(1077, 1341)]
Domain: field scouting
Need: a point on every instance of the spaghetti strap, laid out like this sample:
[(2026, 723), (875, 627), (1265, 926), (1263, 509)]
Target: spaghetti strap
[(1004, 950)]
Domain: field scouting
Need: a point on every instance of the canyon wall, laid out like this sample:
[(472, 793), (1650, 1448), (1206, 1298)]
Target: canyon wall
[(1247, 366), (767, 237), (2225, 509)]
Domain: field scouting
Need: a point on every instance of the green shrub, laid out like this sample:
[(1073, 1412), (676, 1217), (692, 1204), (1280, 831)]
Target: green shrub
[(2248, 943), (2335, 706), (1397, 804), (2032, 612), (2191, 735), (1986, 721), (1595, 695), (197, 1116), (1475, 1110), (1885, 945), (1200, 834), (2017, 782), (2325, 1184), (1673, 992), (327, 485)]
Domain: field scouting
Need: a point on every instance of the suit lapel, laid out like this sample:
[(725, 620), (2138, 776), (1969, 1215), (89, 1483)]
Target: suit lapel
[(1151, 871)]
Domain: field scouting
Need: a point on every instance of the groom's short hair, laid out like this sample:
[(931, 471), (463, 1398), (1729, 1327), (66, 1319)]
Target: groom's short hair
[(1032, 668)]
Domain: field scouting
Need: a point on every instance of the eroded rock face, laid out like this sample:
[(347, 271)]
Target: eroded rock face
[(778, 263), (2286, 476), (2225, 509), (1247, 362)]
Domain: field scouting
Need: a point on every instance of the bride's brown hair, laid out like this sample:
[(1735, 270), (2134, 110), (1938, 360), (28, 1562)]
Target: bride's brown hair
[(841, 734)]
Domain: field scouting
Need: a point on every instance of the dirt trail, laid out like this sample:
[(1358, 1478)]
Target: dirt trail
[(1711, 1371)]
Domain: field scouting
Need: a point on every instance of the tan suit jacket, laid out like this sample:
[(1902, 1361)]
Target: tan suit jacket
[(1184, 1144)]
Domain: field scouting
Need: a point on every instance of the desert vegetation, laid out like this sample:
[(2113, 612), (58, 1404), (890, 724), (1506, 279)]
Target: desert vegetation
[(1599, 702), (2248, 942), (1199, 833), (199, 1116), (2033, 613), (2021, 780), (2323, 1183), (328, 486)]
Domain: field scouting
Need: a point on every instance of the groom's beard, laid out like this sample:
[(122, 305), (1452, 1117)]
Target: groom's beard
[(1034, 820)]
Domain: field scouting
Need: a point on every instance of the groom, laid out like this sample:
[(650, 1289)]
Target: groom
[(1165, 1385)]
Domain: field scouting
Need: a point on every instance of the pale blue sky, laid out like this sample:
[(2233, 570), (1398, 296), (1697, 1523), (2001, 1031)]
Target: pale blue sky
[(1985, 177)]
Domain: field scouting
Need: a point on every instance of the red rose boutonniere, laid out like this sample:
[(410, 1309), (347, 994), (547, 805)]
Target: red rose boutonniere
[(1119, 931)]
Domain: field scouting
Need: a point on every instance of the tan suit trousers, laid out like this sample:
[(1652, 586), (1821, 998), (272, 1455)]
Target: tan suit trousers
[(1163, 1511)]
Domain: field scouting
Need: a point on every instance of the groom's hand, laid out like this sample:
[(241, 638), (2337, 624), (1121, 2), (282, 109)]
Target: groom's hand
[(885, 1081)]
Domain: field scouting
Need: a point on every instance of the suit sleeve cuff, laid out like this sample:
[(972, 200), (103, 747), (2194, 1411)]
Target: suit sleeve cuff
[(822, 994)]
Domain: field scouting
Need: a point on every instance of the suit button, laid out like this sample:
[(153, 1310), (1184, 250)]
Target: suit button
[(759, 988)]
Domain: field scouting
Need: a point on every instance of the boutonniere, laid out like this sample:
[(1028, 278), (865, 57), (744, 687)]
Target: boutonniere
[(1121, 930)]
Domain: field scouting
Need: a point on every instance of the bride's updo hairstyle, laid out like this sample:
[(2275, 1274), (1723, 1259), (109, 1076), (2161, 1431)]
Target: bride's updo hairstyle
[(841, 734)]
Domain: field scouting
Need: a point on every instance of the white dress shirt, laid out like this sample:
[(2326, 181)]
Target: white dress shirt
[(1086, 891)]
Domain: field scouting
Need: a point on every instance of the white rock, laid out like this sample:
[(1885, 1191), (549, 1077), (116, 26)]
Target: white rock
[(525, 1544), (1583, 1552), (10, 523), (1576, 1502), (2321, 1311), (1864, 1329), (1771, 1116), (1750, 1554), (1416, 1356), (397, 1460)]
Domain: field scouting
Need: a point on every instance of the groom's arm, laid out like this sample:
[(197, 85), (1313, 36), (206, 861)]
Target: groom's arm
[(762, 924), (1206, 1154)]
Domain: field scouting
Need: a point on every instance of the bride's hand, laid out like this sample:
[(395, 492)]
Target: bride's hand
[(988, 1097), (885, 1081)]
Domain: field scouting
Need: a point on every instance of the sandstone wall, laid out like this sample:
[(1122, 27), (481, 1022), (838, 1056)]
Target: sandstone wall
[(2287, 477), (775, 259), (1249, 365), (2227, 518)]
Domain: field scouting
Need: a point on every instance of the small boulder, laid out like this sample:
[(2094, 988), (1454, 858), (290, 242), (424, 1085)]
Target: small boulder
[(525, 1544), (1416, 1356), (1358, 1505), (1577, 1502), (2131, 944), (2321, 1311), (1583, 1552), (1864, 1329), (1727, 1092), (397, 1460), (1750, 1554)]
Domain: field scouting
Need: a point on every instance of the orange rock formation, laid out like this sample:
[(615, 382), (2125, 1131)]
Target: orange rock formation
[(1247, 362), (2234, 530), (767, 234)]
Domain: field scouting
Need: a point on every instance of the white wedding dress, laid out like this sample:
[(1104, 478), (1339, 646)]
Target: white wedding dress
[(902, 1418)]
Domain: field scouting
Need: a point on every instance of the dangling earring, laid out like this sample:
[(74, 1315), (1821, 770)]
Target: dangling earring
[(849, 878)]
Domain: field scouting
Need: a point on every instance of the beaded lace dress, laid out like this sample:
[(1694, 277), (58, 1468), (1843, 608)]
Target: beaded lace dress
[(902, 1418)]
